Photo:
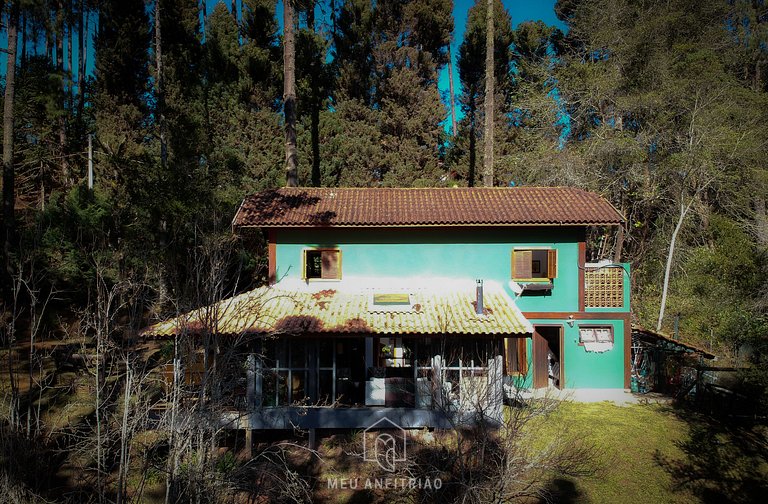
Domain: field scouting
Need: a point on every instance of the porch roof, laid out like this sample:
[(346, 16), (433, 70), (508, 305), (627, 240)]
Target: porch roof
[(669, 340), (325, 310)]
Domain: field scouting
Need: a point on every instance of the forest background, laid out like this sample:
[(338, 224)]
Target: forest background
[(660, 106)]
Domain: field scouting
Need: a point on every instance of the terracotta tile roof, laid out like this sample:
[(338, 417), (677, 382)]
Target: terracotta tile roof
[(276, 310), (302, 207)]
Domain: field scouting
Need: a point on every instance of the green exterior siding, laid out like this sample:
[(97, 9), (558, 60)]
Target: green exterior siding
[(441, 252), (476, 252)]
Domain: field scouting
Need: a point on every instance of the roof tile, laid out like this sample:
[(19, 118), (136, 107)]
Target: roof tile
[(275, 310), (309, 207)]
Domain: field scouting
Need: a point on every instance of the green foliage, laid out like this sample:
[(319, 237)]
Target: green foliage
[(723, 279), (660, 103), (76, 230)]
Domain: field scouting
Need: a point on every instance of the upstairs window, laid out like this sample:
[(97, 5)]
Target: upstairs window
[(322, 264), (534, 264)]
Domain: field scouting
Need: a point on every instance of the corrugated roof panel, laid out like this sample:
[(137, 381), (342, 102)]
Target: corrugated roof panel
[(272, 309)]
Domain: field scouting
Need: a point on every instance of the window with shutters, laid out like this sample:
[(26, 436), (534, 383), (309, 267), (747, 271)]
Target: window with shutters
[(322, 264), (534, 264)]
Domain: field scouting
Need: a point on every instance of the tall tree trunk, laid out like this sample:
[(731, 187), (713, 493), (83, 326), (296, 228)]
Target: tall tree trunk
[(683, 212), (23, 39), (60, 36), (619, 247), (70, 53), (289, 95), (450, 90), (234, 12), (472, 140), (489, 85), (9, 196), (85, 44), (159, 88), (80, 61), (315, 113)]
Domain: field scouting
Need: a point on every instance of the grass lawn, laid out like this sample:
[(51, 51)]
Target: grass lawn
[(658, 454), (646, 454)]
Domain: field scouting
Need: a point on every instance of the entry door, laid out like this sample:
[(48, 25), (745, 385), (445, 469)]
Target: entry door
[(540, 365), (546, 339)]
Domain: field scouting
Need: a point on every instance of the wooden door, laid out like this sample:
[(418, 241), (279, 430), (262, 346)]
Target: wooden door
[(540, 365)]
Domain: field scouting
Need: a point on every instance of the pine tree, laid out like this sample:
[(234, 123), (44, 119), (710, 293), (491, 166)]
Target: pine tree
[(471, 67), (489, 90), (289, 94), (9, 194)]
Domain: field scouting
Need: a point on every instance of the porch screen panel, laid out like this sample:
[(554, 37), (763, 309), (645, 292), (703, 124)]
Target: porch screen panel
[(331, 264), (521, 264)]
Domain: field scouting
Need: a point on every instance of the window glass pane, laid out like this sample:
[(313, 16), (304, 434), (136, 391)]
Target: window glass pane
[(299, 354), (298, 386), (281, 353), (314, 263), (539, 262), (269, 388), (269, 350), (326, 387), (326, 352), (282, 388)]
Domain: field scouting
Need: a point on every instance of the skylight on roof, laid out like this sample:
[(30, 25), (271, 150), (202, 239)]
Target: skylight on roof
[(392, 299), (390, 302)]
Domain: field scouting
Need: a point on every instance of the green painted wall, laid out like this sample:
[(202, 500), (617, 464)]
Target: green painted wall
[(588, 369), (472, 253), (440, 252)]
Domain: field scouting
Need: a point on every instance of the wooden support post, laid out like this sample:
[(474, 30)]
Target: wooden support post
[(495, 387), (250, 402), (312, 378), (438, 393)]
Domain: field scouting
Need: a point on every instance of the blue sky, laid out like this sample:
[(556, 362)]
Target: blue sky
[(520, 11)]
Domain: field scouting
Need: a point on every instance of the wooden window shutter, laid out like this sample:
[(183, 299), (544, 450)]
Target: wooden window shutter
[(515, 356), (510, 356), (521, 264), (552, 263), (331, 264)]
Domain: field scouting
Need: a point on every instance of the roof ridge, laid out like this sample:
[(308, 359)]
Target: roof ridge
[(426, 206)]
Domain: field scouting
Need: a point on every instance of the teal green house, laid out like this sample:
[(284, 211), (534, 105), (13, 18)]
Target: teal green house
[(422, 305)]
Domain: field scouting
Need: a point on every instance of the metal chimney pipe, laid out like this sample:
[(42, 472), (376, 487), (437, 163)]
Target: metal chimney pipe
[(479, 298)]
